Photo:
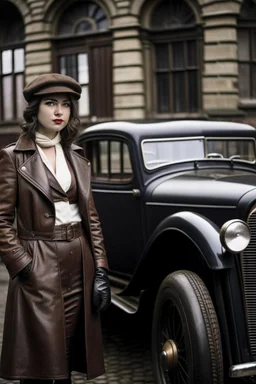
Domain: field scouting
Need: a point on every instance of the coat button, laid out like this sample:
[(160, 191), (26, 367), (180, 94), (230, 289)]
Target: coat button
[(46, 214), (23, 168), (65, 199), (32, 234), (88, 163)]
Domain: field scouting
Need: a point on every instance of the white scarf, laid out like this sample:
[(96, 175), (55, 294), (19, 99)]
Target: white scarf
[(44, 141), (62, 171)]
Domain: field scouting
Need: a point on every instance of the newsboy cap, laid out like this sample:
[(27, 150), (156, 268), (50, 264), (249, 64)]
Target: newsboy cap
[(52, 83)]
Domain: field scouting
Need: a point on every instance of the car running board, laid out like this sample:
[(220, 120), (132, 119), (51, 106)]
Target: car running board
[(129, 304)]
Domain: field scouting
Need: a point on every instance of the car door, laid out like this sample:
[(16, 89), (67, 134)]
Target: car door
[(116, 193)]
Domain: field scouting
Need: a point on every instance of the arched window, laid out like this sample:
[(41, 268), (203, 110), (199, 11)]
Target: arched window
[(175, 40), (247, 51), (11, 62), (83, 50)]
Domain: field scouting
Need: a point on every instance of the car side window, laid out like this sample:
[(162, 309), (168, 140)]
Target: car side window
[(110, 160)]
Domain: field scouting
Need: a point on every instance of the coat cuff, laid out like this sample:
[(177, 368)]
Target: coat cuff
[(101, 263), (17, 265)]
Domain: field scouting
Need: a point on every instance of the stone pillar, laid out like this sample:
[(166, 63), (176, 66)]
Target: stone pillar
[(128, 74), (220, 76), (38, 54)]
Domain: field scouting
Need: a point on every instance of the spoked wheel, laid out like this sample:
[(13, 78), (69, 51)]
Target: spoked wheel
[(186, 343)]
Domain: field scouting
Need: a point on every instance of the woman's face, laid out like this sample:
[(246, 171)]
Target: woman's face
[(53, 114)]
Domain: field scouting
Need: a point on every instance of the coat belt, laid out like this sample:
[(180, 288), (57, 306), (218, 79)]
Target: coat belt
[(64, 232)]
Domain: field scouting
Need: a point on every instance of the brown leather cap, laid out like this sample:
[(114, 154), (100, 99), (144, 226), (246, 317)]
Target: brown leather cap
[(52, 83)]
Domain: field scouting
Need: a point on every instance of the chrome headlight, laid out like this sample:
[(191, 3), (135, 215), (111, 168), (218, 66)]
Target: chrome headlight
[(235, 235)]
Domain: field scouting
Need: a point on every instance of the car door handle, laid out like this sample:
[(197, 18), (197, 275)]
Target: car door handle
[(136, 192)]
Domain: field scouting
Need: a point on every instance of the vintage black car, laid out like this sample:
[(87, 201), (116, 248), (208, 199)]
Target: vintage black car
[(177, 201)]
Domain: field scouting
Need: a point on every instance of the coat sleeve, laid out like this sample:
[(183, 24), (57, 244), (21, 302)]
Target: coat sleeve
[(12, 252), (97, 236)]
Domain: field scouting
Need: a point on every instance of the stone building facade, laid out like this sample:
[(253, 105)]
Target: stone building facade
[(140, 60)]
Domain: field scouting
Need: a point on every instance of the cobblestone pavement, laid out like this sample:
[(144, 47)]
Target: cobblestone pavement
[(126, 346)]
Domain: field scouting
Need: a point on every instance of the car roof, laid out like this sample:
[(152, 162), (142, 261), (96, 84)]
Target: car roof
[(179, 128)]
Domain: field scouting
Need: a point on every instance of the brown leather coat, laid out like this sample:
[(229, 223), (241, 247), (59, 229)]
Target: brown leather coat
[(34, 312)]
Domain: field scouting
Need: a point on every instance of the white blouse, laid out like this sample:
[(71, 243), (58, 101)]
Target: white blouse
[(64, 212)]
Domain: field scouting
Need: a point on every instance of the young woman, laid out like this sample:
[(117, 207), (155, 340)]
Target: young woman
[(51, 243)]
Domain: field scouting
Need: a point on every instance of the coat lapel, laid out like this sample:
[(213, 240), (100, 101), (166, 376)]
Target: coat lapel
[(33, 170), (82, 172)]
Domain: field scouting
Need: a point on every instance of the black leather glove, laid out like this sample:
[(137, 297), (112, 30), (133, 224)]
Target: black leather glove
[(23, 274), (101, 295)]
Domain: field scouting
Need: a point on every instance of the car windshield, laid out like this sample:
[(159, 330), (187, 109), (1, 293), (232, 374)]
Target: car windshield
[(160, 152)]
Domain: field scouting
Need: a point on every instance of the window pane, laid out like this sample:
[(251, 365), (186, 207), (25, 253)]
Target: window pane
[(19, 60), (102, 24), (253, 42), (115, 157), (244, 80), (162, 152), (20, 102), (192, 53), (95, 158), (178, 56), (127, 161), (104, 157), (162, 60), (71, 65), (91, 17), (243, 45), (163, 98), (192, 91), (92, 9), (168, 14), (253, 94), (63, 70), (84, 26), (83, 105), (7, 97), (83, 69), (6, 62), (179, 92)]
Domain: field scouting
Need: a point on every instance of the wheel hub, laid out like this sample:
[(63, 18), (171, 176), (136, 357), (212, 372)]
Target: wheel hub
[(169, 355)]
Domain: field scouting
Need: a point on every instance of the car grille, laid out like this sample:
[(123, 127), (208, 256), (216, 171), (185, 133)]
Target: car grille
[(248, 262)]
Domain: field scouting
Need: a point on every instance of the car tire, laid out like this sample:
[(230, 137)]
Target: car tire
[(186, 342)]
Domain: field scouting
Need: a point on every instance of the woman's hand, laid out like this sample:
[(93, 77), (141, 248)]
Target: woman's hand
[(101, 296)]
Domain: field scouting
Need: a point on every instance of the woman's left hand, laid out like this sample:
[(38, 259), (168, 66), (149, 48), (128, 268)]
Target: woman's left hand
[(101, 290)]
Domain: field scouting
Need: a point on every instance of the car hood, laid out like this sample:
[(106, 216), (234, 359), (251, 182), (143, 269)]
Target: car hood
[(202, 187)]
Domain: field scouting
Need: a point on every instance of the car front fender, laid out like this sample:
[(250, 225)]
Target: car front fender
[(199, 230), (203, 233)]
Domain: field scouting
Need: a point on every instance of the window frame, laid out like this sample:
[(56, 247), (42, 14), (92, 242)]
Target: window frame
[(171, 36), (12, 47), (69, 45), (249, 26), (99, 177)]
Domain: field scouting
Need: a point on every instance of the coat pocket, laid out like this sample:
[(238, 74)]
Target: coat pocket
[(31, 248)]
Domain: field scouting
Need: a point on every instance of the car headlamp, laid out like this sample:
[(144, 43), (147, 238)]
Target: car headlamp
[(235, 235)]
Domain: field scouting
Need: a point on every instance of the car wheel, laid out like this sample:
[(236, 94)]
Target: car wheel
[(186, 343)]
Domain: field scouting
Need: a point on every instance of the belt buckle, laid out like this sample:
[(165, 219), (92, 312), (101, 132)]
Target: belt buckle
[(70, 227)]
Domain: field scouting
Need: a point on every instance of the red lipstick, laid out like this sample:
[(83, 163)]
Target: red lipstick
[(58, 121)]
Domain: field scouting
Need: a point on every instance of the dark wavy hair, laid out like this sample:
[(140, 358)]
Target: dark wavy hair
[(68, 134)]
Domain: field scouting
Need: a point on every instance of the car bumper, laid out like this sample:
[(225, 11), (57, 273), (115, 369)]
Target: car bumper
[(242, 370)]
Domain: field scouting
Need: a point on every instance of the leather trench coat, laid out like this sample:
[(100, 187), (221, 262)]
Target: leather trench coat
[(34, 330)]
